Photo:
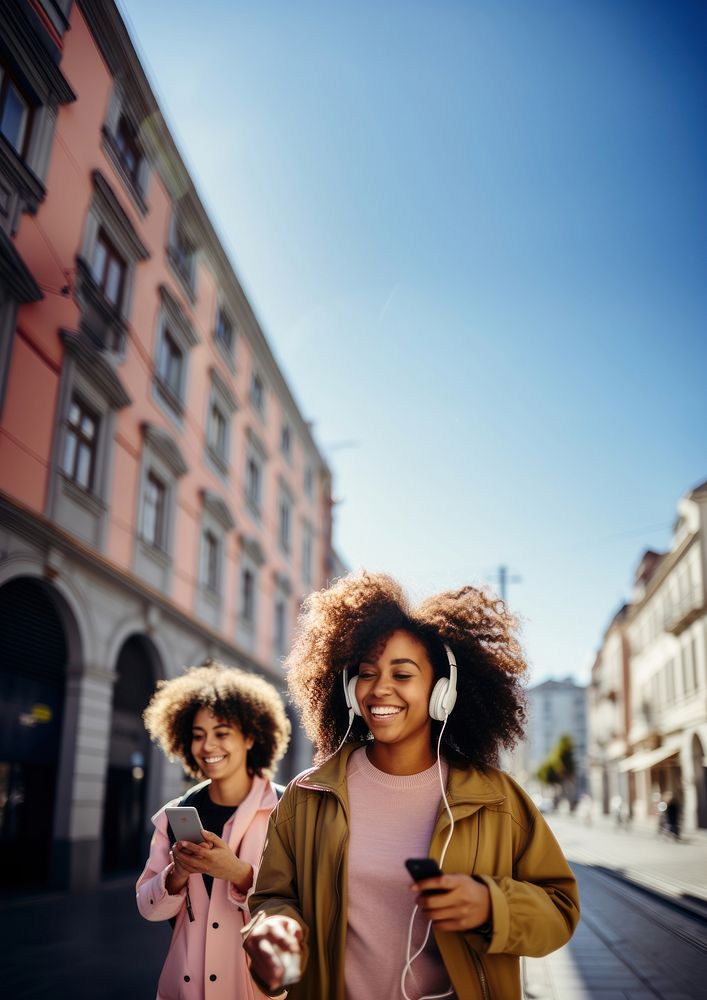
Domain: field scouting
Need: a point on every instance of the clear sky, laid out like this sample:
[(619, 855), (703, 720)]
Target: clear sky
[(475, 234)]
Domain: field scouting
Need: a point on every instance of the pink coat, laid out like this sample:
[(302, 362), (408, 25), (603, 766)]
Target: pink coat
[(206, 960)]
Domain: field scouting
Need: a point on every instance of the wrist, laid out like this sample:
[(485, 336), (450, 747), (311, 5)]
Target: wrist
[(175, 879), (242, 877)]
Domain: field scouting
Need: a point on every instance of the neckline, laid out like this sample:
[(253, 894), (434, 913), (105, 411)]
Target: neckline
[(359, 761)]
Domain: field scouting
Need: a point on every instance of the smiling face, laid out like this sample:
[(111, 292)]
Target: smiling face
[(219, 747), (393, 691)]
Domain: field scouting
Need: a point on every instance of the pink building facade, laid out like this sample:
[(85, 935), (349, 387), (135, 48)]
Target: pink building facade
[(162, 499)]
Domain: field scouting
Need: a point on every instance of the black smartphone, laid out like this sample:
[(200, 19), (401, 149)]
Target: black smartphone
[(420, 868)]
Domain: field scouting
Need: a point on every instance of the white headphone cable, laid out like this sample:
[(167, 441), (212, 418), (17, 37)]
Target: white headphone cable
[(410, 959)]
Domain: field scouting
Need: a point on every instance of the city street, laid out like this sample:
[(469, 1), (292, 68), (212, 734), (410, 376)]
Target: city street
[(630, 945)]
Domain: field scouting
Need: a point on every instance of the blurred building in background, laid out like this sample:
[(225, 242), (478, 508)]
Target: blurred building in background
[(555, 709), (609, 715), (162, 499), (667, 633)]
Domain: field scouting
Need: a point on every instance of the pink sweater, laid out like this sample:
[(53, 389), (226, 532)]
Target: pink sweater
[(392, 818)]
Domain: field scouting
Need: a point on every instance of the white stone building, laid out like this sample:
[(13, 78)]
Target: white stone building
[(609, 713), (667, 633)]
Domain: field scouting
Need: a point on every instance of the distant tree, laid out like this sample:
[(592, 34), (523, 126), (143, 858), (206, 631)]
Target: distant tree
[(547, 774), (559, 768)]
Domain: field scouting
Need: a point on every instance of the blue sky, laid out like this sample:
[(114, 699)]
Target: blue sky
[(475, 234)]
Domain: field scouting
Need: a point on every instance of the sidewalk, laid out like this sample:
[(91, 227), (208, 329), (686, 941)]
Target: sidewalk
[(674, 869), (91, 946), (621, 950)]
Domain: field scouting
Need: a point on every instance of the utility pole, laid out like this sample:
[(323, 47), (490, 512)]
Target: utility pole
[(504, 579)]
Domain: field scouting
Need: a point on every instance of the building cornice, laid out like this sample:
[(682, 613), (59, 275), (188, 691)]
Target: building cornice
[(178, 316), (162, 442), (21, 31), (223, 389), (219, 509), (99, 370), (116, 216)]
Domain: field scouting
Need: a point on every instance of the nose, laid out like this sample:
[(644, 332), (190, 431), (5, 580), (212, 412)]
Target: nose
[(382, 686)]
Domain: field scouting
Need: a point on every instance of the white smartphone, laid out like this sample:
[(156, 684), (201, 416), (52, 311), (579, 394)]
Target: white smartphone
[(185, 823)]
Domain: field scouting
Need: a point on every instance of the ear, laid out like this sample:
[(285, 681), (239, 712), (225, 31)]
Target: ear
[(249, 742)]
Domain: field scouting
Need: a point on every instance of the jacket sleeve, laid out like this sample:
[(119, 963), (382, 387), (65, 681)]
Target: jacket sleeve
[(275, 891), (537, 911), (153, 900)]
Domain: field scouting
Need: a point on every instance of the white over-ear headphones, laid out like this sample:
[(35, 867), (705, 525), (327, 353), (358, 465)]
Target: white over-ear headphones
[(442, 699)]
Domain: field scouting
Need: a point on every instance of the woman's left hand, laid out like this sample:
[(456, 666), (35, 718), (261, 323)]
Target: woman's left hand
[(214, 857), (464, 905)]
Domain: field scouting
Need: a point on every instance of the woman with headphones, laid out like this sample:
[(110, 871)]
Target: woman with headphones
[(408, 708)]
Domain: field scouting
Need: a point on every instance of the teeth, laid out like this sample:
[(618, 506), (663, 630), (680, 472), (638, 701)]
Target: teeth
[(212, 760), (385, 710)]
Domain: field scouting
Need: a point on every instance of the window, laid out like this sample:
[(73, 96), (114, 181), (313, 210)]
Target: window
[(308, 482), (280, 637), (307, 549), (81, 444), (219, 418), (210, 562), (286, 440), (182, 253), (128, 150), (216, 437), (170, 364), (253, 481), (252, 559), (257, 393), (174, 342), (108, 270), (153, 511), (224, 331), (163, 465), (15, 113), (248, 596), (285, 519)]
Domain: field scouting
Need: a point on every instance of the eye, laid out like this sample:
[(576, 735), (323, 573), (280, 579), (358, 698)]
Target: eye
[(403, 677), (365, 675)]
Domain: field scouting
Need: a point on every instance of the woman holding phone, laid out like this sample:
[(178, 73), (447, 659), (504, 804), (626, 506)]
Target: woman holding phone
[(228, 728), (408, 708)]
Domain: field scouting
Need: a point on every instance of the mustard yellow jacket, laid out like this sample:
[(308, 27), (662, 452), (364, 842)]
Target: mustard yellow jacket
[(499, 837)]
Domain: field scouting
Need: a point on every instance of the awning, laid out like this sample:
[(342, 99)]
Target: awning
[(645, 759)]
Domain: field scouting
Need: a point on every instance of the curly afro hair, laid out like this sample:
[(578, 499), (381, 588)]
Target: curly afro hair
[(245, 700), (352, 619)]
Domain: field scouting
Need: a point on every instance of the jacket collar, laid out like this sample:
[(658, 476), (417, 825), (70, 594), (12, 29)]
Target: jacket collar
[(465, 786)]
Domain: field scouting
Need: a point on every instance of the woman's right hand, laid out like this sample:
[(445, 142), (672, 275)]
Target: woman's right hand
[(272, 935)]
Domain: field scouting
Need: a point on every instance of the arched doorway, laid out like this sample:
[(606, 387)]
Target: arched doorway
[(33, 661), (700, 776), (128, 758)]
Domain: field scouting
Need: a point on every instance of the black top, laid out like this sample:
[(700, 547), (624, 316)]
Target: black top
[(213, 817)]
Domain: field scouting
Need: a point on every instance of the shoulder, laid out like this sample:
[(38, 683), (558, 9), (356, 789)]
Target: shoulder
[(503, 792), (160, 817)]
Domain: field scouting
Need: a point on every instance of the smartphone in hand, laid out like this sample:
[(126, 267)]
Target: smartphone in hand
[(185, 823), (420, 868)]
